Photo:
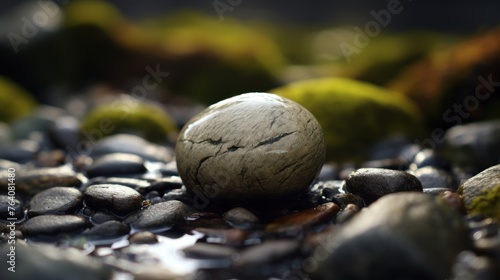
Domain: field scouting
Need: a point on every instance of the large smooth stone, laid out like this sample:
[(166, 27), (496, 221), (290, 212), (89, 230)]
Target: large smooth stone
[(251, 146)]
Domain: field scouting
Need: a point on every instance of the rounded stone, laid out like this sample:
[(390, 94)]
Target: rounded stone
[(118, 199), (57, 200), (251, 146), (50, 225)]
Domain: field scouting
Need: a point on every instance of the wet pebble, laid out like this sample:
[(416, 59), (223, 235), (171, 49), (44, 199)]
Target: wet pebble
[(240, 218), (116, 164), (106, 231), (36, 180), (267, 252), (57, 200), (131, 144), (101, 217), (249, 147), (431, 158), (209, 251), (143, 237), (134, 183), (400, 236), (160, 216), (343, 199), (481, 193), (166, 183), (347, 213), (231, 237), (120, 200), (431, 177), (304, 219), (372, 183), (10, 208), (51, 225)]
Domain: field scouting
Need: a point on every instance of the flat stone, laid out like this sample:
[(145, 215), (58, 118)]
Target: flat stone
[(209, 251), (46, 262), (372, 183), (117, 164), (51, 225), (107, 230), (102, 217), (36, 180), (400, 236), (118, 199), (304, 219), (57, 200), (267, 251), (160, 216), (6, 208), (240, 217), (249, 147)]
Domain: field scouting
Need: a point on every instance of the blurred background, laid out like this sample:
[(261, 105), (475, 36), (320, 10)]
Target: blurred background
[(183, 54)]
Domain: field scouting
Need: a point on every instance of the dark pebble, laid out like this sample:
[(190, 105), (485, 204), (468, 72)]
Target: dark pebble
[(143, 237), (230, 237), (177, 194), (209, 251), (116, 164), (169, 169), (267, 252), (305, 219), (50, 225), (107, 230), (432, 158), (120, 200), (131, 144), (388, 163), (34, 181), (134, 183), (347, 213), (160, 216), (372, 183), (101, 217), (166, 183), (57, 201), (343, 199), (431, 177), (65, 133), (6, 207), (22, 151)]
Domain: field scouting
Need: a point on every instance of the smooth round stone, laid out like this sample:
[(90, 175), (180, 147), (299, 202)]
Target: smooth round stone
[(117, 164), (250, 146), (432, 177), (240, 217), (57, 200), (118, 199), (143, 237), (6, 208), (372, 183), (159, 216), (400, 236), (107, 230), (50, 225)]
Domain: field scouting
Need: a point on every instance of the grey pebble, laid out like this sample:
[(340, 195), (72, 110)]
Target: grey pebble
[(116, 164), (209, 251), (6, 207), (51, 225), (240, 218), (159, 216), (431, 177), (57, 200), (107, 230), (131, 144), (101, 217), (120, 200), (250, 146), (400, 236), (372, 183), (36, 180)]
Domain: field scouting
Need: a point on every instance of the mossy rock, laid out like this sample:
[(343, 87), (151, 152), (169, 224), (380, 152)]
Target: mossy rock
[(354, 115), (212, 60), (127, 115), (481, 193), (16, 102)]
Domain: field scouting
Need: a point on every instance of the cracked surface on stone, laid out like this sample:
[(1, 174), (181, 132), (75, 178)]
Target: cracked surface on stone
[(255, 145)]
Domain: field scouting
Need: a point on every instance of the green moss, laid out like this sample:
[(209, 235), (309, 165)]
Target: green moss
[(129, 116), (16, 102), (99, 13), (487, 203), (354, 115)]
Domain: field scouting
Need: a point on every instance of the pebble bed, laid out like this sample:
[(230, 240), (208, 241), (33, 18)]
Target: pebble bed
[(122, 212)]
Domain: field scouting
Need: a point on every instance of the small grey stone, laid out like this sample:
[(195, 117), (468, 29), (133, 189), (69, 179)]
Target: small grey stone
[(372, 183), (6, 208), (57, 200), (101, 217), (209, 251), (474, 145), (431, 177), (116, 164), (50, 225), (240, 217), (45, 262), (250, 146), (159, 216), (131, 144), (118, 199), (34, 181), (400, 236), (107, 230)]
